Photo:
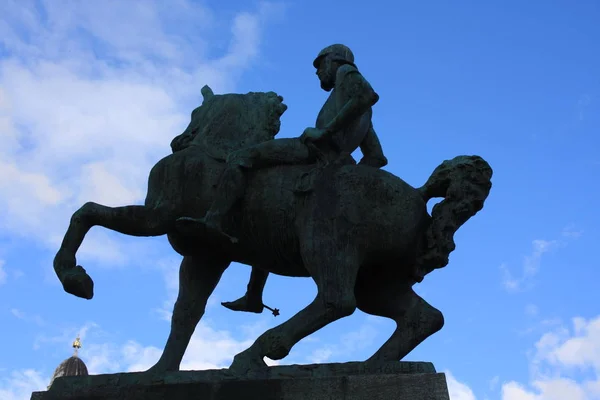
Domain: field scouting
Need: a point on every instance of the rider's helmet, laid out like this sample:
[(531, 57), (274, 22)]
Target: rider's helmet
[(338, 52)]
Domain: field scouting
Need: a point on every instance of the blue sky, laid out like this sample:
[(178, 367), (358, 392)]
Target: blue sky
[(91, 94)]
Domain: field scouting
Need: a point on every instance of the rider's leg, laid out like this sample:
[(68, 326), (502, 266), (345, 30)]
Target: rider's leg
[(233, 182), (274, 152), (252, 301), (284, 151), (372, 151), (230, 190)]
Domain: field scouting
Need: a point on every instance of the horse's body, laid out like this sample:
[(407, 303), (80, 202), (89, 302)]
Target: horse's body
[(362, 234), (273, 220), (193, 196)]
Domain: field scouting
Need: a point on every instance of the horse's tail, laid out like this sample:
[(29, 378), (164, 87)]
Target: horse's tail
[(464, 182)]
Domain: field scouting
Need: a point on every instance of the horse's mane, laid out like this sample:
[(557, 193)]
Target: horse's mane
[(229, 122)]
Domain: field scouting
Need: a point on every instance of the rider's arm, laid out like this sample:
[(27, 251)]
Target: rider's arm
[(359, 93)]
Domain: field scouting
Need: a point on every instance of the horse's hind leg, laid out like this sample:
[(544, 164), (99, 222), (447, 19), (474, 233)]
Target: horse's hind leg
[(416, 319), (198, 277), (129, 220), (333, 263)]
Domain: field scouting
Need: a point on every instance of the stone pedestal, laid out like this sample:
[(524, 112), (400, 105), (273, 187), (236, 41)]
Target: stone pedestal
[(347, 381)]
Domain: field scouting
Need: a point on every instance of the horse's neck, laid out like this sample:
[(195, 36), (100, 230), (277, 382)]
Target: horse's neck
[(215, 152)]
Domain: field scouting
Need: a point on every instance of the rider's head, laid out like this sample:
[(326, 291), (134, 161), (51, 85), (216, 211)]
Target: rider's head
[(329, 60)]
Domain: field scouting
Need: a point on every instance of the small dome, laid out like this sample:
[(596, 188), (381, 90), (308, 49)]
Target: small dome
[(72, 366)]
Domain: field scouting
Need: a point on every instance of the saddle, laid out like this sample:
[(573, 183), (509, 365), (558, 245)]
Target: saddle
[(309, 180)]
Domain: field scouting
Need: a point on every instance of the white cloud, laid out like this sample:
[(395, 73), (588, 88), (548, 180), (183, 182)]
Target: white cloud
[(566, 365), (19, 384), (581, 350), (321, 355), (93, 94), (458, 390), (531, 265), (208, 349), (514, 391), (349, 343), (556, 389)]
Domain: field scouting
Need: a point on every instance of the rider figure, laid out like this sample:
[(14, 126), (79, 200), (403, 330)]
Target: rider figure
[(343, 125)]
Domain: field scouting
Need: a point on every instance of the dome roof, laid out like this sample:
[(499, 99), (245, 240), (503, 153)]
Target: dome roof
[(72, 366)]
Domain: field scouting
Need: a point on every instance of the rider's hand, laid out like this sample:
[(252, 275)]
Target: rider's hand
[(312, 135)]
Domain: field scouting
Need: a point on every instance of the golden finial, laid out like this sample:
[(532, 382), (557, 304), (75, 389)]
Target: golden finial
[(76, 345)]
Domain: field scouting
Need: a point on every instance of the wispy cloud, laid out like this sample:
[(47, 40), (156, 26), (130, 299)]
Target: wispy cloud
[(348, 344), (65, 337), (532, 262), (565, 365), (36, 319), (531, 266)]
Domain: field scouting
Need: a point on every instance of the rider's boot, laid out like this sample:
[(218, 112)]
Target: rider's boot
[(252, 300), (374, 161), (372, 151)]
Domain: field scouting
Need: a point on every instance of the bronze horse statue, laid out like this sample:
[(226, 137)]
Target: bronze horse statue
[(362, 234)]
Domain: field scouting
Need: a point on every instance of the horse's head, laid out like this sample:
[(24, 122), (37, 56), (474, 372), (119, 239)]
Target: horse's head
[(228, 122)]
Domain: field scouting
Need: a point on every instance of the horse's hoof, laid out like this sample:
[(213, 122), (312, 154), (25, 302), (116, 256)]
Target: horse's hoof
[(78, 283), (246, 365), (155, 374), (156, 370)]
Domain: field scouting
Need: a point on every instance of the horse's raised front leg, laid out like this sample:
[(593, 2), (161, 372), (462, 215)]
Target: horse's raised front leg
[(129, 220), (198, 277), (333, 264)]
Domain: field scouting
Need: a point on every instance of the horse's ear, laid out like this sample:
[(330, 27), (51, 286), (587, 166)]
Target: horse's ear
[(207, 93)]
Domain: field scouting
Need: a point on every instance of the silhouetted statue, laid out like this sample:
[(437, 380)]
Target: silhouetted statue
[(294, 207)]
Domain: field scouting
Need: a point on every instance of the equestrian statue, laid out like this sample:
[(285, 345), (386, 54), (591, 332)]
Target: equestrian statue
[(298, 207)]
